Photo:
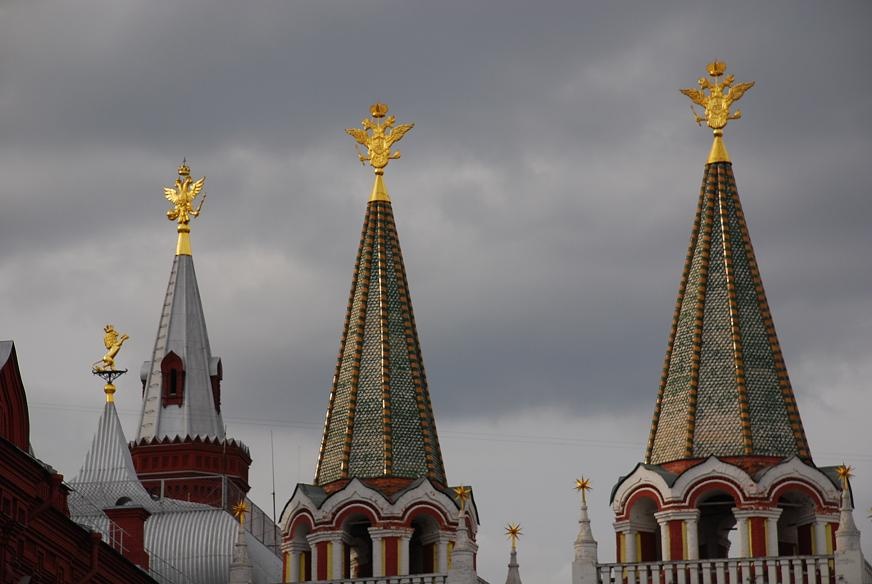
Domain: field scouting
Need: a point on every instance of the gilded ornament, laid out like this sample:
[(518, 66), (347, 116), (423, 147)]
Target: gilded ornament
[(514, 533), (716, 104), (378, 138), (463, 494), (583, 485), (239, 511), (181, 196), (112, 341), (845, 473)]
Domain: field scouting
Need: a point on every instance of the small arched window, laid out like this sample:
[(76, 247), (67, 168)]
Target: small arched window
[(173, 382)]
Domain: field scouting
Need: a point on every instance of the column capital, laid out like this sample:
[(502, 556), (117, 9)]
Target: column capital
[(676, 515), (314, 538), (382, 532), (772, 513), (295, 547)]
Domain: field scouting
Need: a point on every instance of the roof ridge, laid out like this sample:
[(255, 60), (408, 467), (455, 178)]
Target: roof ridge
[(723, 361), (379, 420)]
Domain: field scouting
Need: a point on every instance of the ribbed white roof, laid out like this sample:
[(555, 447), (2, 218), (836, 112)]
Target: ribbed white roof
[(193, 538), (182, 330)]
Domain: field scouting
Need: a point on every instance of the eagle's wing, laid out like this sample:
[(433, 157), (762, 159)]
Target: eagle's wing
[(397, 133), (737, 91), (696, 96), (170, 194), (357, 134), (197, 187)]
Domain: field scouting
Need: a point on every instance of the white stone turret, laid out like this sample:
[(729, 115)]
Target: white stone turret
[(584, 564), (514, 576), (462, 570), (241, 571), (850, 563)]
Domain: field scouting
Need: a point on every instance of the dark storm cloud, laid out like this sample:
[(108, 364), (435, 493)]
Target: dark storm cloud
[(544, 201)]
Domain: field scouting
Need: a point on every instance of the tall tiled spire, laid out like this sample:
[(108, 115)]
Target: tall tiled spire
[(380, 421), (181, 381), (724, 389)]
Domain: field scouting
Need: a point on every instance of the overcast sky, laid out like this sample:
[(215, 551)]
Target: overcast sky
[(544, 202)]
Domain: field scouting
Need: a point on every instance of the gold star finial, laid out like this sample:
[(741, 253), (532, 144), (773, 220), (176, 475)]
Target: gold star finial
[(716, 105), (845, 473), (239, 511), (583, 485), (181, 196), (378, 137), (514, 533), (463, 494)]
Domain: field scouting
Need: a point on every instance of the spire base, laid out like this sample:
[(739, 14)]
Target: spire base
[(718, 152), (183, 247), (379, 190)]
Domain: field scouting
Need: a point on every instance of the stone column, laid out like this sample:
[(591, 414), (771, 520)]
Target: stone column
[(313, 539), (376, 534), (741, 516), (820, 533), (405, 535), (295, 550), (337, 542), (771, 516), (663, 522), (690, 519), (692, 527), (442, 552)]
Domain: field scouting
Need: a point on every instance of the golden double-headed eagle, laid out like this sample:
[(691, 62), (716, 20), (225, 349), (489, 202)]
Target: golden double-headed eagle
[(182, 196), (379, 137), (721, 96)]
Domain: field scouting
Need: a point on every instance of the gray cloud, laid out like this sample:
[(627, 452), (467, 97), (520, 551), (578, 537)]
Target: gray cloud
[(544, 200)]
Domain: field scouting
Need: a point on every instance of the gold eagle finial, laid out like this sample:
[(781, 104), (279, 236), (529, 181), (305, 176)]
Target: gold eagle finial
[(181, 196), (378, 137), (716, 104), (722, 94)]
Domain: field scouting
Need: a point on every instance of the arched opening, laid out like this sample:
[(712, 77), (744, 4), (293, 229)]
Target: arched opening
[(172, 379), (358, 547), (299, 532), (715, 525), (423, 546), (796, 524), (647, 531)]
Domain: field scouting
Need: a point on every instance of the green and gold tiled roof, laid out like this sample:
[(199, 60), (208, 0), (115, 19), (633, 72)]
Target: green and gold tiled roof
[(379, 421), (724, 389)]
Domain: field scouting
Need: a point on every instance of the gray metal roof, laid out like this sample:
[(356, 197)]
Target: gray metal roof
[(5, 351), (513, 576), (200, 545), (194, 539), (182, 330)]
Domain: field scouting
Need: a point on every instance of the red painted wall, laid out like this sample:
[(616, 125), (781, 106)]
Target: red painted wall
[(392, 557), (758, 536), (676, 539)]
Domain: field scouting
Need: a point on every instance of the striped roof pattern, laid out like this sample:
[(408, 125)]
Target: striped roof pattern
[(181, 330), (379, 420), (724, 389)]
